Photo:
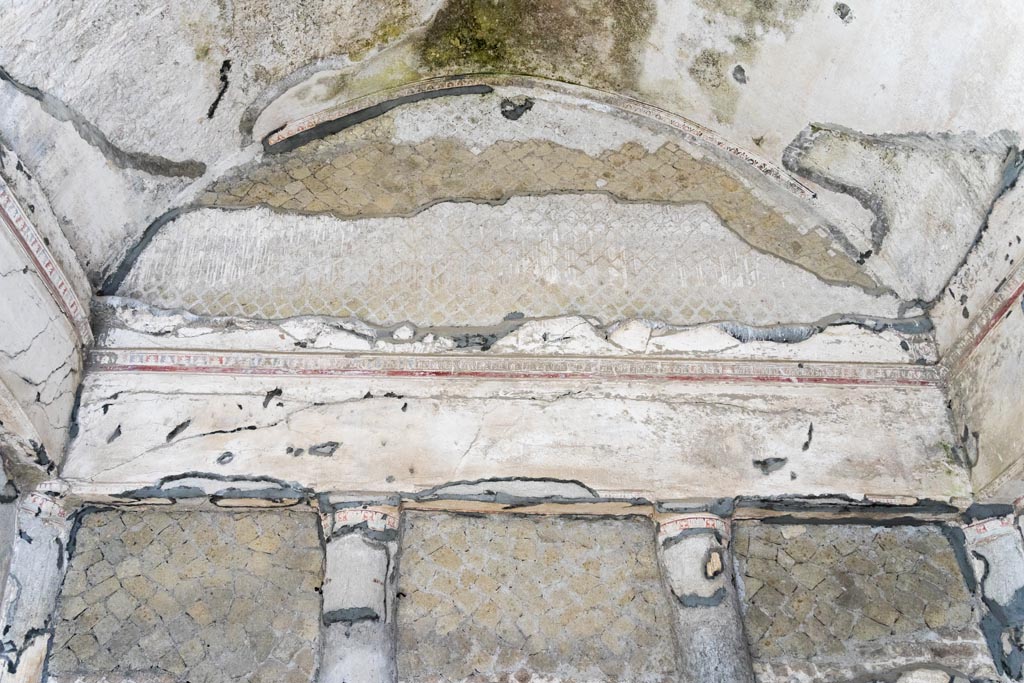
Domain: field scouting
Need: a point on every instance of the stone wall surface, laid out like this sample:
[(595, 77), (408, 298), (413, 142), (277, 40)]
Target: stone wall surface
[(556, 598), (190, 596), (852, 602)]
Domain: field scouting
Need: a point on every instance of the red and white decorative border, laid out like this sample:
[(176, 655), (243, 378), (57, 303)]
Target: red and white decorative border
[(986, 319), (627, 104), (12, 216), (673, 526), (987, 528), (504, 367)]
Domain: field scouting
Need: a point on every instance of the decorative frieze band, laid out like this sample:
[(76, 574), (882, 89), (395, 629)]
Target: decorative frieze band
[(14, 218), (985, 320), (433, 85), (469, 366)]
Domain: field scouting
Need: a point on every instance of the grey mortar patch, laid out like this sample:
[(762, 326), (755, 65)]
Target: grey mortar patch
[(140, 161)]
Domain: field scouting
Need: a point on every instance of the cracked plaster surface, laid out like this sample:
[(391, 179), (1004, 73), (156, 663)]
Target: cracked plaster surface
[(100, 208), (546, 597), (412, 434), (40, 363), (194, 596), (842, 602)]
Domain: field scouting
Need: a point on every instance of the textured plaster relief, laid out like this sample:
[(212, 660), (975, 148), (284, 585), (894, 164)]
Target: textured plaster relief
[(987, 406), (378, 434), (537, 256), (997, 550), (559, 599), (101, 209), (125, 323), (390, 166), (40, 362), (931, 196), (693, 550), (988, 278), (34, 207), (193, 596), (855, 603)]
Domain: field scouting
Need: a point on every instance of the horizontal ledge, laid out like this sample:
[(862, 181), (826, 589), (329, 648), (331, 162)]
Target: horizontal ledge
[(507, 367)]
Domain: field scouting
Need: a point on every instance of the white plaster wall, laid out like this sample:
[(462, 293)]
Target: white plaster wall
[(659, 439), (40, 362), (989, 403), (982, 277)]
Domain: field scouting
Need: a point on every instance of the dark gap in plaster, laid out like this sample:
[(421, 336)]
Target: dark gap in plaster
[(843, 11), (513, 110), (225, 457), (140, 161), (341, 123), (325, 449), (769, 465), (225, 69), (979, 511), (739, 74), (714, 600), (116, 434), (113, 281), (178, 430), (271, 395), (687, 533), (24, 536), (810, 436)]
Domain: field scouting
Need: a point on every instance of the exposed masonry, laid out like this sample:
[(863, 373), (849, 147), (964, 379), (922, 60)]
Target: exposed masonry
[(822, 601), (378, 169), (674, 262), (365, 554), (552, 597), (190, 596), (149, 163)]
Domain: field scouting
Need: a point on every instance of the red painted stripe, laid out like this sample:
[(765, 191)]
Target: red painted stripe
[(991, 324), (471, 374)]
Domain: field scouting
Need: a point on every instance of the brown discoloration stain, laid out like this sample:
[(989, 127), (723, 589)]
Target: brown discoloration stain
[(710, 67), (359, 174)]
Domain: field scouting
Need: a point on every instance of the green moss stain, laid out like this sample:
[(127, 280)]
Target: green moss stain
[(591, 41)]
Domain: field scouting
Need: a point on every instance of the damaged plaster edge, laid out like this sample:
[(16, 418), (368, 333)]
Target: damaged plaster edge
[(274, 144), (1004, 140), (993, 311), (389, 98), (121, 322), (140, 161), (821, 509)]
